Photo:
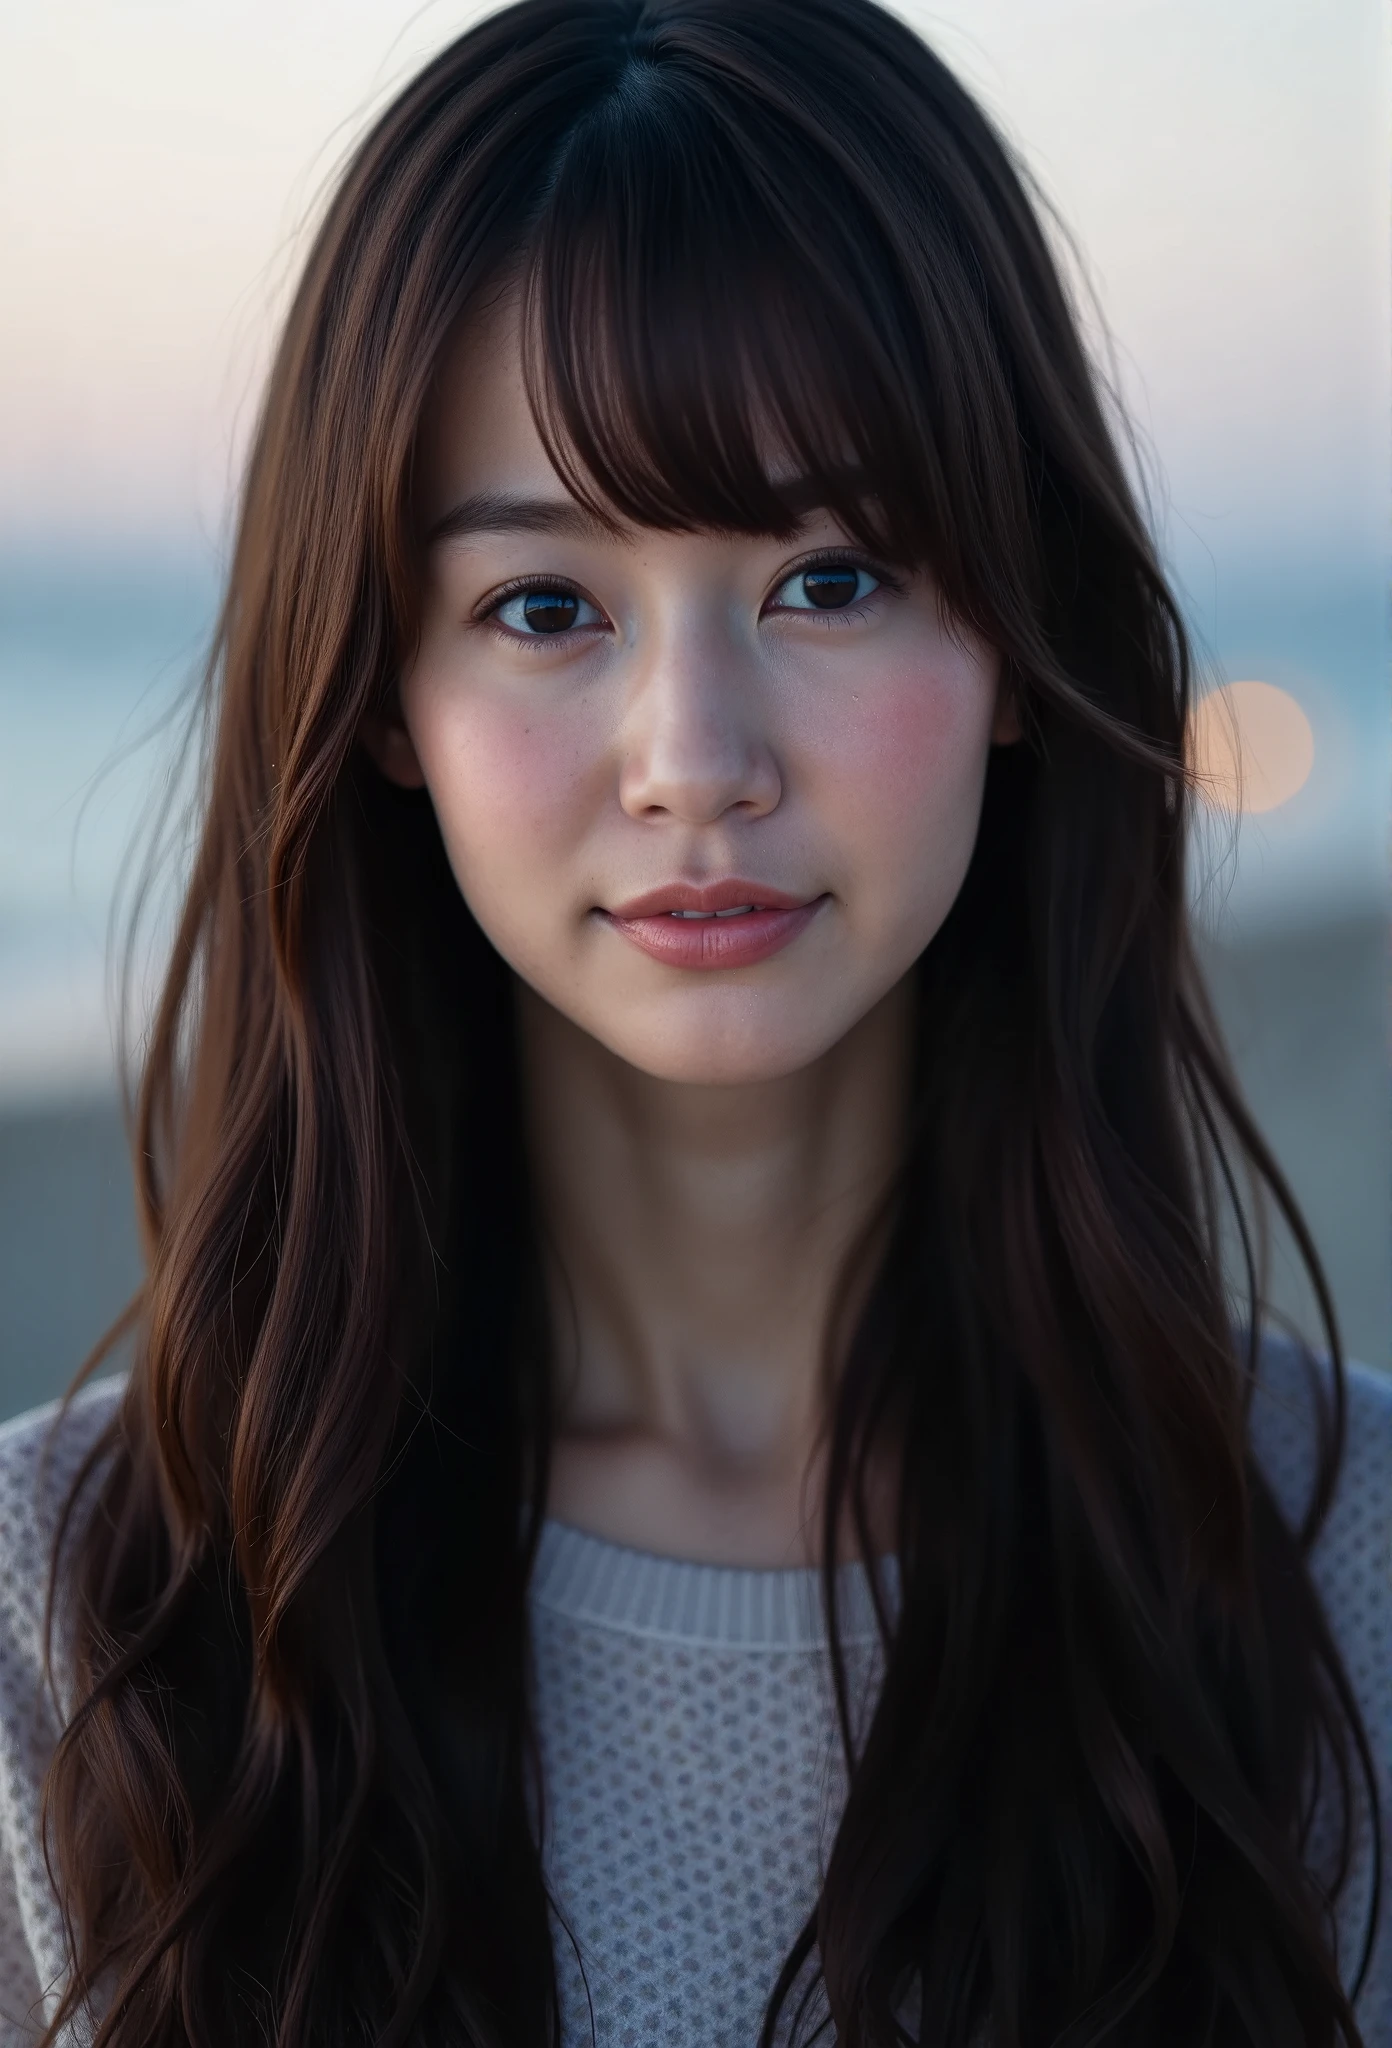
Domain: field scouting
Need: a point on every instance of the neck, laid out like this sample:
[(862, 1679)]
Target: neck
[(696, 1238)]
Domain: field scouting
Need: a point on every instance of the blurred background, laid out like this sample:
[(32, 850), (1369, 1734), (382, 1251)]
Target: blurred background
[(1221, 173)]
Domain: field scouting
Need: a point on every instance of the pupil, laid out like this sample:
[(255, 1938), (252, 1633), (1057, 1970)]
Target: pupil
[(830, 588), (550, 611)]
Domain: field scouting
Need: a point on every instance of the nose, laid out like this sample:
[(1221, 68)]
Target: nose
[(694, 747)]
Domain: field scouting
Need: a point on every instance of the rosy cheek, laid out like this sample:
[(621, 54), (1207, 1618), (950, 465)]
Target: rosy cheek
[(507, 785), (907, 737)]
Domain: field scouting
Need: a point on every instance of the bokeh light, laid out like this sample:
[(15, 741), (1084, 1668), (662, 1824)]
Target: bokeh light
[(1251, 746)]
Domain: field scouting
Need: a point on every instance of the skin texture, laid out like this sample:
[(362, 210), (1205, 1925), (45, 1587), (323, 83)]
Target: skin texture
[(707, 1143)]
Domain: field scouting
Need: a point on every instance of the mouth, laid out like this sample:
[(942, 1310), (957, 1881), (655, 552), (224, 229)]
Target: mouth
[(735, 897), (728, 924)]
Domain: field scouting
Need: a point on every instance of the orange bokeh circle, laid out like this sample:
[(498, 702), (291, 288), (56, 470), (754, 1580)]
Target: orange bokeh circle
[(1251, 746)]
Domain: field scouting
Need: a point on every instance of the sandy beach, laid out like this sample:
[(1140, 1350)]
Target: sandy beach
[(1307, 1019)]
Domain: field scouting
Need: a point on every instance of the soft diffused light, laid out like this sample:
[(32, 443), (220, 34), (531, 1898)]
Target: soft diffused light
[(1251, 746)]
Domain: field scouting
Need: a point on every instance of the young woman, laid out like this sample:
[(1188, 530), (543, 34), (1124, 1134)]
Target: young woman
[(690, 1475)]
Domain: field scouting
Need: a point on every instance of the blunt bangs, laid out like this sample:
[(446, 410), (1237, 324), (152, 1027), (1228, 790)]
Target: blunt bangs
[(722, 330)]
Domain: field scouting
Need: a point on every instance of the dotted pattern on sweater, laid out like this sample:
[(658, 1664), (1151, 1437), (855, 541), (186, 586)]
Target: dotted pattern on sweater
[(1352, 1570), (694, 1780), (692, 1775), (38, 1464)]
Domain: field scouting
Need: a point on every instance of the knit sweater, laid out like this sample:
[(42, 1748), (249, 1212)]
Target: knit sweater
[(691, 1771)]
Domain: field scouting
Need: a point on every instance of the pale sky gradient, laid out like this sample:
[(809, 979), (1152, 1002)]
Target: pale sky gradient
[(1221, 162)]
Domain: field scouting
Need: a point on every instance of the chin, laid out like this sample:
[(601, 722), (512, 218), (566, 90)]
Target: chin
[(721, 1052)]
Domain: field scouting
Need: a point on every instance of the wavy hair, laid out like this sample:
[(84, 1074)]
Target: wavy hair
[(294, 1799)]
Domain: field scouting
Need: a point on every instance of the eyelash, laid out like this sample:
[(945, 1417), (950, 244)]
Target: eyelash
[(828, 558), (522, 586)]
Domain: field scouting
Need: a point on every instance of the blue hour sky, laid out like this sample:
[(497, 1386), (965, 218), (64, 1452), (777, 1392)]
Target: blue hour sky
[(1222, 167)]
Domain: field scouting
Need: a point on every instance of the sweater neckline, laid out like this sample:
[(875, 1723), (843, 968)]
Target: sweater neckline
[(589, 1579)]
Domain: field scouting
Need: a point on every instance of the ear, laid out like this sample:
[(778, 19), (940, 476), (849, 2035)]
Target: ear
[(1005, 726), (388, 744)]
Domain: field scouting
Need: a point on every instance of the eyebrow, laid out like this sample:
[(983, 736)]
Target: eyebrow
[(501, 512), (505, 512), (804, 495)]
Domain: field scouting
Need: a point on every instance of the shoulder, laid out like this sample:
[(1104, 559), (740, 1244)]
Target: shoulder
[(1351, 1566), (41, 1454), (1285, 1431), (1351, 1562)]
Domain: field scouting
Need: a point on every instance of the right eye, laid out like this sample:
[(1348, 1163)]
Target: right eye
[(545, 609)]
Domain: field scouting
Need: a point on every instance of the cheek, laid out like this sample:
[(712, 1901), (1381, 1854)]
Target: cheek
[(510, 789), (903, 762)]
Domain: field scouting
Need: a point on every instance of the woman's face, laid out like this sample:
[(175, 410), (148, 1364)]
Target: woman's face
[(709, 795)]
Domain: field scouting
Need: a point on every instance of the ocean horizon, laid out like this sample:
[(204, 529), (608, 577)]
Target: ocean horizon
[(100, 661), (100, 657)]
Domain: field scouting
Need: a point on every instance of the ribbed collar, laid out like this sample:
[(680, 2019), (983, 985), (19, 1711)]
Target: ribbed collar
[(587, 1578)]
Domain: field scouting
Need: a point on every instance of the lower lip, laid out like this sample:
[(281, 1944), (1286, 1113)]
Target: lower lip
[(717, 941)]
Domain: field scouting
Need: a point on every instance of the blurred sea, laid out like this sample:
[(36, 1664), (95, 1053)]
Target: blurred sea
[(96, 656), (95, 661)]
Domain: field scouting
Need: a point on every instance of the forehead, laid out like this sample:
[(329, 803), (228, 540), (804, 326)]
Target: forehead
[(482, 464), (477, 434)]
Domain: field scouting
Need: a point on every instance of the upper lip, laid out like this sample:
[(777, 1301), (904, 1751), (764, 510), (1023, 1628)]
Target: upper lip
[(734, 894)]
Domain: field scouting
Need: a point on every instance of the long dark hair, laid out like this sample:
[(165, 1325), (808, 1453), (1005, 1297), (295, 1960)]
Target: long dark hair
[(293, 1801)]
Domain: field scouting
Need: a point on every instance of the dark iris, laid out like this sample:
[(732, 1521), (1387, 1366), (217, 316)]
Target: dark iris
[(550, 611), (830, 588)]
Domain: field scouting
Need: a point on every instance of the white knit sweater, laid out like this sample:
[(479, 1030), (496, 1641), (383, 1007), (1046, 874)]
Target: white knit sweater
[(692, 1776)]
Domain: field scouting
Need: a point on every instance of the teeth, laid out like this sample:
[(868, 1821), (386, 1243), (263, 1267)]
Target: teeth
[(739, 910)]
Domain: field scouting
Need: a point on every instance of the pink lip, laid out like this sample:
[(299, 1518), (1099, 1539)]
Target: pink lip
[(708, 940)]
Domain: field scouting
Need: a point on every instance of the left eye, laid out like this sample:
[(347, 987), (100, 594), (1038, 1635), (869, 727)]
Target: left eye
[(539, 611), (828, 587)]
